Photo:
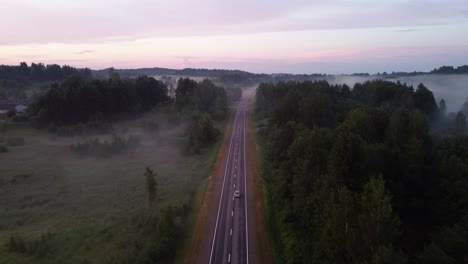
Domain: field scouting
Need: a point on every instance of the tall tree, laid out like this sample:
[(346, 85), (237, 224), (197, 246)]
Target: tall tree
[(442, 107), (151, 187), (377, 222), (460, 125)]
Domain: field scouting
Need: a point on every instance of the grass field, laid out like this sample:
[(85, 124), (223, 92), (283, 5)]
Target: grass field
[(91, 206)]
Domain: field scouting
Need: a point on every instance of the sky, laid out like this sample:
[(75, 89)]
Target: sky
[(262, 36)]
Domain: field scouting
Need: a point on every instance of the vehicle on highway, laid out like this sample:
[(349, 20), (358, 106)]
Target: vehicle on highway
[(237, 194)]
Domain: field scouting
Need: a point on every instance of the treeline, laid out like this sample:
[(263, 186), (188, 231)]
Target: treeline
[(76, 100), (40, 72), (203, 101), (451, 70), (355, 176), (201, 97)]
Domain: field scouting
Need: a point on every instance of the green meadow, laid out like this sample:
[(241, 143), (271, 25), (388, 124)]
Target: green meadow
[(74, 209)]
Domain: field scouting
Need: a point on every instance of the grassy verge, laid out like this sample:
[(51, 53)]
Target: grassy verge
[(198, 199)]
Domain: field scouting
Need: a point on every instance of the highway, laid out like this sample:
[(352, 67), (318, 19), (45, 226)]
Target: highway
[(229, 242)]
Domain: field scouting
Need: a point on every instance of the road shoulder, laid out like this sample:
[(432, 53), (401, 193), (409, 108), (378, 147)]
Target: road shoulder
[(197, 252)]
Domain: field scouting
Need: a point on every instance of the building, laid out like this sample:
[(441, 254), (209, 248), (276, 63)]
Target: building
[(8, 105), (20, 109)]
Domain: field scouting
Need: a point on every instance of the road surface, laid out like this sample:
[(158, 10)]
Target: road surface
[(229, 241)]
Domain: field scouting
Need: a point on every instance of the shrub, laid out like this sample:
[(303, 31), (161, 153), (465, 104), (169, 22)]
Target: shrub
[(203, 133), (15, 141), (3, 149), (39, 247), (3, 127), (96, 147), (150, 126)]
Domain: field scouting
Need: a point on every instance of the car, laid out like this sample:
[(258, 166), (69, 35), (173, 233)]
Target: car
[(237, 194)]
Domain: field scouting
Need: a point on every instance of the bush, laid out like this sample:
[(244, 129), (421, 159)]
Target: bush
[(3, 149), (40, 247), (203, 133), (93, 127), (94, 147), (15, 141), (3, 127), (150, 126)]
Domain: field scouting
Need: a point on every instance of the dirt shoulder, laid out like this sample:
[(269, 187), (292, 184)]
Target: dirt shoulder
[(205, 213), (262, 249)]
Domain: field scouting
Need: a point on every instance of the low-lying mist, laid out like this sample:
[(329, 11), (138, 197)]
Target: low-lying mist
[(452, 88)]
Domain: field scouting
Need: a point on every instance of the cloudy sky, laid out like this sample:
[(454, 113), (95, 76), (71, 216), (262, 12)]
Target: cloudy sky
[(333, 36)]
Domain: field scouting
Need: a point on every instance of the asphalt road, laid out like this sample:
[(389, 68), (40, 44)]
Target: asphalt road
[(230, 237)]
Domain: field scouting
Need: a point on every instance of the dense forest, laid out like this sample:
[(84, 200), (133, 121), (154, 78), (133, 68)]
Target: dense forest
[(203, 101), (40, 72), (76, 100), (363, 175), (23, 83), (198, 97)]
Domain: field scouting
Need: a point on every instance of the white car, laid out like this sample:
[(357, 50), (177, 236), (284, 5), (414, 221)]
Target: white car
[(237, 194)]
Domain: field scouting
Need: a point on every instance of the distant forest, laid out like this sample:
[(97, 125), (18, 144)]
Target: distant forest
[(243, 77), (40, 72), (53, 72), (363, 175)]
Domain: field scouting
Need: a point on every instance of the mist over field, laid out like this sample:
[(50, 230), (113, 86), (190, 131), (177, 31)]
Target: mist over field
[(170, 132)]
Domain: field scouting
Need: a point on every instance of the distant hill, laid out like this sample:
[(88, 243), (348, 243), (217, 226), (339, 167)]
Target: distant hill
[(53, 72), (242, 76)]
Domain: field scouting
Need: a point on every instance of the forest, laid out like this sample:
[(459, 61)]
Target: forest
[(39, 72), (376, 173), (76, 100), (75, 105), (110, 128)]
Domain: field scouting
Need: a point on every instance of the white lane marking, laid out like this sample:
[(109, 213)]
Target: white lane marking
[(232, 213), (222, 190), (229, 258), (234, 185), (231, 232), (245, 200)]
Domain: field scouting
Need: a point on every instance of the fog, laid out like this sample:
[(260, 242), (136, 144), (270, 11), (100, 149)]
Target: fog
[(452, 88)]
